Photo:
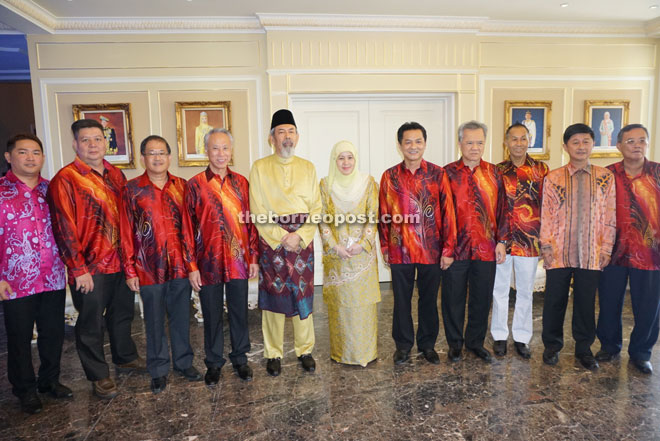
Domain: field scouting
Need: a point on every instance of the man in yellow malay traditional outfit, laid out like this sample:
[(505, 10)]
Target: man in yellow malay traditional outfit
[(284, 188)]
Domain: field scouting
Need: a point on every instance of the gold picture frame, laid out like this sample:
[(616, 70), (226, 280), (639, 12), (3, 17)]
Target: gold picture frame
[(539, 125), (606, 118), (117, 125), (193, 120)]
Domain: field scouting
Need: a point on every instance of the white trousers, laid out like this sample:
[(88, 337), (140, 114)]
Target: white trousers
[(524, 269)]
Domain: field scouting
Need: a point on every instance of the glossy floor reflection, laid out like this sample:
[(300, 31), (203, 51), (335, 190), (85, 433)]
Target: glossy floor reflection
[(510, 399)]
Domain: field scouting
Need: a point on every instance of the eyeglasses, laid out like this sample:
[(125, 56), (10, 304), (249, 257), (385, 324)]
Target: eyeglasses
[(156, 154), (632, 142)]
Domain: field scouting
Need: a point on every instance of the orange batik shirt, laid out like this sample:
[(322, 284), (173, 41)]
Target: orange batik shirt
[(84, 208), (578, 216)]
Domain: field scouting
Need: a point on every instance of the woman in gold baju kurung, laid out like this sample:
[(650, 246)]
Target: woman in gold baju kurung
[(350, 267)]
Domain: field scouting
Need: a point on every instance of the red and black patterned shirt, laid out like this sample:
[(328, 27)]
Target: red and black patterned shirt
[(524, 189), (417, 217), (84, 207), (151, 230), (481, 202), (219, 239), (637, 243)]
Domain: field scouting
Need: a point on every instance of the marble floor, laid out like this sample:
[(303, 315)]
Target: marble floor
[(510, 399)]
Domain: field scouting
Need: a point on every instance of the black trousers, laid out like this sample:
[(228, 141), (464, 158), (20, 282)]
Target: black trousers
[(47, 309), (555, 300), (478, 278), (403, 282), (211, 299), (169, 300), (645, 300), (111, 303)]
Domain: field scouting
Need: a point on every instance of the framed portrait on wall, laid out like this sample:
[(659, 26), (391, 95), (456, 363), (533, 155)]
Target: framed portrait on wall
[(117, 122), (606, 118), (536, 116), (193, 121)]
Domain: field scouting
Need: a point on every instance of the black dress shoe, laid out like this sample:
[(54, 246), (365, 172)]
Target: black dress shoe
[(212, 376), (550, 357), (158, 384), (605, 356), (30, 403), (588, 361), (645, 367), (307, 362), (499, 347), (400, 356), (454, 354), (244, 371), (273, 367), (482, 353), (56, 390), (431, 356), (523, 350), (190, 373)]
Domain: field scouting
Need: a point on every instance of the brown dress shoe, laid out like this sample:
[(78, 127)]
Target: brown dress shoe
[(138, 365), (105, 388)]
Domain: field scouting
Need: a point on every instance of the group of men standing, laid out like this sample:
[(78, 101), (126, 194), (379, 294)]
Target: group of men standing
[(160, 235), (482, 223), (157, 235)]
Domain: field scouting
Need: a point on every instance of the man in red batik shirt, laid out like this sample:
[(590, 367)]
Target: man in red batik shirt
[(221, 253), (481, 241), (151, 244), (636, 253), (84, 199), (523, 183), (417, 234)]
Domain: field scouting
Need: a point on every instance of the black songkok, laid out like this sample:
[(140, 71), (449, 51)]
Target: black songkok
[(282, 116)]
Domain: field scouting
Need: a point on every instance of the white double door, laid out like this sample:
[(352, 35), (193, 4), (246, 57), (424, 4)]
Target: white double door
[(370, 122)]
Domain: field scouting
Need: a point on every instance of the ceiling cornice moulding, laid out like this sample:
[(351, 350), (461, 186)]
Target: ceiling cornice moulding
[(32, 12), (322, 22), (66, 25), (159, 24), (571, 28), (482, 25), (370, 22)]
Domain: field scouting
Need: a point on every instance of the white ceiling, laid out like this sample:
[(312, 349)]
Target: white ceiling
[(549, 10)]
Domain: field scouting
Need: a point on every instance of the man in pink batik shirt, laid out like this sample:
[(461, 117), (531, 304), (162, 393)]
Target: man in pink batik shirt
[(32, 276)]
